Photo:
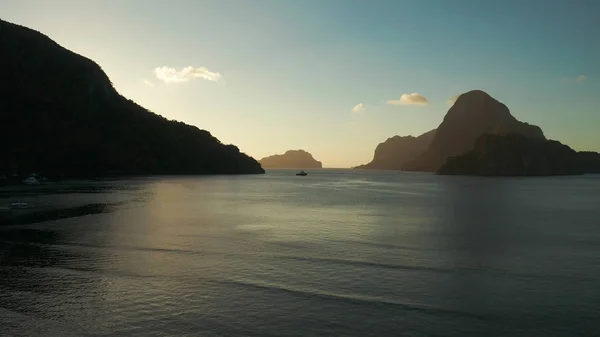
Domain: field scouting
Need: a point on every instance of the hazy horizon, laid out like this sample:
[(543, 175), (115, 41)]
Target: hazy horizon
[(336, 78)]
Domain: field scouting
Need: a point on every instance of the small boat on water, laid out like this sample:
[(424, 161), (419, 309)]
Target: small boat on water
[(20, 205), (301, 173), (31, 180)]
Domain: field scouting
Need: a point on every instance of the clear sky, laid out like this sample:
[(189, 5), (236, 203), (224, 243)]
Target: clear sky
[(273, 75)]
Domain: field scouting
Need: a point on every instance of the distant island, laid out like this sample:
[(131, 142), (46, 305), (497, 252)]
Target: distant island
[(479, 136), (291, 159), (61, 116)]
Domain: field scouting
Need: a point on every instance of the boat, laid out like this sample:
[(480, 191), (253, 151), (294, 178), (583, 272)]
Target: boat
[(31, 180), (20, 205), (301, 173)]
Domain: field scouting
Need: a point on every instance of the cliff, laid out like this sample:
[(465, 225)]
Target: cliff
[(474, 113), (396, 151), (519, 155), (60, 115), (291, 159)]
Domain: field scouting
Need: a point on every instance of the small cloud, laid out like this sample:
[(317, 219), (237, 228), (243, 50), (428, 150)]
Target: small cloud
[(452, 100), (358, 108), (148, 83), (410, 99), (172, 75), (577, 79)]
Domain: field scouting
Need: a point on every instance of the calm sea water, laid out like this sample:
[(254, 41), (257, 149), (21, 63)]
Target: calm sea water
[(335, 253)]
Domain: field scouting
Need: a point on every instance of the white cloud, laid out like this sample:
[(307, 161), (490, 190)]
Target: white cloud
[(148, 83), (171, 75), (410, 99), (576, 79), (452, 100), (358, 108)]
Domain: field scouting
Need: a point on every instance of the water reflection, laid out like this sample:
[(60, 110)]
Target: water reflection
[(52, 270), (477, 217), (271, 255), (475, 221), (37, 269)]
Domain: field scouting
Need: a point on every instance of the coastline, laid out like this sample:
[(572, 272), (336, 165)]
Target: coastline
[(26, 204)]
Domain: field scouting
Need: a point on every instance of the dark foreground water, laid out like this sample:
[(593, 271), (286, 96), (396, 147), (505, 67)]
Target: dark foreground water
[(335, 253)]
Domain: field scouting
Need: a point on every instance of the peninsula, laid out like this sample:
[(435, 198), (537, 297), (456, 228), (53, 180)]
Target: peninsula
[(61, 116)]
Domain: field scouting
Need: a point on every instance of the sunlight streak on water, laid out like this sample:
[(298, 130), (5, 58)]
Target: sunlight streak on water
[(334, 253)]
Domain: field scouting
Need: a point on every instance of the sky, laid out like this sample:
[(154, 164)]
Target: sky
[(334, 77)]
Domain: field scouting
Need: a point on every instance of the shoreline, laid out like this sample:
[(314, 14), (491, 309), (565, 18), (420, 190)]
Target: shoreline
[(27, 204), (28, 216)]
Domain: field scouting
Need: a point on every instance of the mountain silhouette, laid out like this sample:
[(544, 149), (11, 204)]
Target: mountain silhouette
[(519, 155), (396, 151), (61, 115), (474, 114), (291, 159)]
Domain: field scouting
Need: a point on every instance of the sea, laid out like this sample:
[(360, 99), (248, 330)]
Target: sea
[(333, 253)]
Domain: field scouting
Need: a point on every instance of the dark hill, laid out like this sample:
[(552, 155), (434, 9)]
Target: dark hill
[(59, 114), (291, 159), (590, 161), (473, 114), (518, 155), (396, 151)]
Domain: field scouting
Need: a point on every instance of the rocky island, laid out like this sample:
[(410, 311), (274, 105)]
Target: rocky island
[(61, 116), (474, 113), (396, 151), (298, 159), (479, 136), (519, 155)]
